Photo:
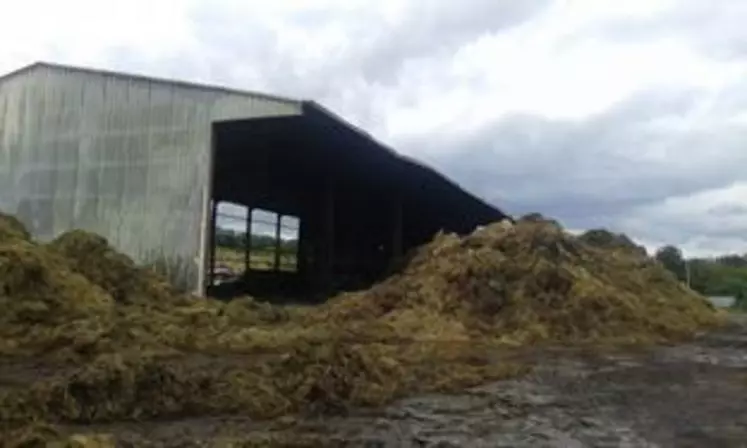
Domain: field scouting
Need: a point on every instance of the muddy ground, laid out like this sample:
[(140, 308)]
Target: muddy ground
[(689, 395)]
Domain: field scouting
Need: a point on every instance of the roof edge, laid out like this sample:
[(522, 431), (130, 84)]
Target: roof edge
[(308, 104), (148, 78), (19, 71)]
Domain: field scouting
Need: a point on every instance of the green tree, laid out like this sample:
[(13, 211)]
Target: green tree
[(735, 261), (721, 276), (701, 274), (741, 302), (672, 259)]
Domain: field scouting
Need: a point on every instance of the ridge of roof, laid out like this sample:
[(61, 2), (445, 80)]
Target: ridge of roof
[(148, 78)]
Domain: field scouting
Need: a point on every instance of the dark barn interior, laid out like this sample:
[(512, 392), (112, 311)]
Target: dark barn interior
[(360, 205)]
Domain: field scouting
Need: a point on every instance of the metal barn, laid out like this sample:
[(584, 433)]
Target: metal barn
[(144, 161)]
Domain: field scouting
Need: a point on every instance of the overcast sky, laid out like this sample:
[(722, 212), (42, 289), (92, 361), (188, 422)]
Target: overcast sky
[(629, 115)]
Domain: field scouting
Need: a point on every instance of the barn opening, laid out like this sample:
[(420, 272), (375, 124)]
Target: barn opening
[(324, 206), (249, 245)]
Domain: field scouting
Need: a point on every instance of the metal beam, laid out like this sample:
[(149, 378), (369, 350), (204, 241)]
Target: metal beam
[(277, 241), (328, 265), (213, 225), (397, 243), (248, 242)]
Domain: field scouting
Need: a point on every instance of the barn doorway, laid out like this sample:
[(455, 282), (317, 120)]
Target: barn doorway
[(325, 208)]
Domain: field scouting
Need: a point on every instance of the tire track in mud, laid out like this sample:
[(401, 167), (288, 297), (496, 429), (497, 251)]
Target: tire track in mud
[(690, 395)]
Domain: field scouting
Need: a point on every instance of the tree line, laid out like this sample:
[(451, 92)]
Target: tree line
[(236, 240), (717, 276)]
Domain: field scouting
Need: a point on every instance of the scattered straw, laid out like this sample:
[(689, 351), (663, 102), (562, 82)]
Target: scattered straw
[(92, 256), (141, 351), (11, 228)]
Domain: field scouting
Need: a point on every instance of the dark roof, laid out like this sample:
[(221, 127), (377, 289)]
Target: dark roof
[(428, 174), (484, 209)]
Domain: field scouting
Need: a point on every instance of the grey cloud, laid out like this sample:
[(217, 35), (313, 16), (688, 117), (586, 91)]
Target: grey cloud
[(428, 29), (233, 49), (728, 210), (716, 27), (598, 171), (379, 52), (676, 230), (431, 29)]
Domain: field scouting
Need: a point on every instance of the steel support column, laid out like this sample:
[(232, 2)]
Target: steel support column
[(397, 237)]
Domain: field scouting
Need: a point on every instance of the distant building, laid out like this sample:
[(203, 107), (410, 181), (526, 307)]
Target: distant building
[(722, 301), (144, 162)]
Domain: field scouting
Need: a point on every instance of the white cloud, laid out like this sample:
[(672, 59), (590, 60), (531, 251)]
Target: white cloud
[(507, 74), (718, 216), (88, 31), (533, 69)]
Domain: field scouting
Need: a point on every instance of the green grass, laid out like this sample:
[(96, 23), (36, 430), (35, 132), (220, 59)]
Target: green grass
[(260, 260)]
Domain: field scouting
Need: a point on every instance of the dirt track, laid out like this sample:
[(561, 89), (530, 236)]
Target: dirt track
[(692, 395)]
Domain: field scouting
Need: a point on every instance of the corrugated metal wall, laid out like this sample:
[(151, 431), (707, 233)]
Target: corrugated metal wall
[(124, 157)]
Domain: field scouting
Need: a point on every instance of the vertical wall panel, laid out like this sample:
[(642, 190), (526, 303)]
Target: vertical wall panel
[(121, 156)]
